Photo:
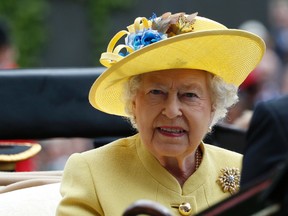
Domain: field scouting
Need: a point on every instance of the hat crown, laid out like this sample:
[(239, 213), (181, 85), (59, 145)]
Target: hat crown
[(144, 32), (205, 24)]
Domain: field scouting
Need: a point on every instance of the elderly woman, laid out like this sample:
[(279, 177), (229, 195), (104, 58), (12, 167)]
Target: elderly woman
[(174, 78)]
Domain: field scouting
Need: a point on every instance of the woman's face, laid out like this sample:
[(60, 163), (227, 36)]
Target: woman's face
[(173, 111)]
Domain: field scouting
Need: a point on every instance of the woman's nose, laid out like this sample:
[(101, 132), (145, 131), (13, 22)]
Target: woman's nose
[(172, 107)]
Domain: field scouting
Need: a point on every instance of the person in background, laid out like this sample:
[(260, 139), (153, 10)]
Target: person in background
[(263, 83), (173, 77), (8, 60), (278, 20), (7, 50), (267, 140)]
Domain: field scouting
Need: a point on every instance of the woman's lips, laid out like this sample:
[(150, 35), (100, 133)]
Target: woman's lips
[(172, 131)]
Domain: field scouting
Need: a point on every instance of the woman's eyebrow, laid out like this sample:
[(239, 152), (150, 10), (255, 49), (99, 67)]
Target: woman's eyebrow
[(189, 86)]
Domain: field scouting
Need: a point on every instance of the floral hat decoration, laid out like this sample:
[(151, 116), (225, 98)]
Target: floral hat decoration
[(173, 41)]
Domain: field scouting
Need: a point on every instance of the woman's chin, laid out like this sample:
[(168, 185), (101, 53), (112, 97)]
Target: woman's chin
[(169, 150)]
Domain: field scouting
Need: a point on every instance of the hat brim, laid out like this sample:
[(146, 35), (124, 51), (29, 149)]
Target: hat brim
[(13, 151), (230, 54)]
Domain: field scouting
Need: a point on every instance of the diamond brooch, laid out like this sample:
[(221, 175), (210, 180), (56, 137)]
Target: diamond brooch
[(229, 180)]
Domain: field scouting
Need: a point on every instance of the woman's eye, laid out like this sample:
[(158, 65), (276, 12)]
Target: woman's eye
[(190, 95), (156, 92)]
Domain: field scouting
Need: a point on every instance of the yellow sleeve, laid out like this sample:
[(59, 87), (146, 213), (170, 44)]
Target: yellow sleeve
[(78, 191)]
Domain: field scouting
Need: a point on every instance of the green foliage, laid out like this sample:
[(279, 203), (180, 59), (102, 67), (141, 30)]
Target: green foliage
[(26, 21)]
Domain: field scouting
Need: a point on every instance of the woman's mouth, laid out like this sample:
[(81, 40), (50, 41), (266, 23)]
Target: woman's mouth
[(171, 131)]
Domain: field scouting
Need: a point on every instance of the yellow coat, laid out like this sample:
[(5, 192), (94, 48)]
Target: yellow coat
[(106, 180)]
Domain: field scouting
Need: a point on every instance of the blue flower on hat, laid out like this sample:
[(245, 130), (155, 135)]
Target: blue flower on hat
[(143, 38)]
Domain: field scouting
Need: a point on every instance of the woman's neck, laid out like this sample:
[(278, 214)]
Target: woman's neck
[(182, 168)]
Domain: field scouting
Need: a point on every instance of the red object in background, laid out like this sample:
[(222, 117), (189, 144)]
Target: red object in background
[(251, 80), (26, 165)]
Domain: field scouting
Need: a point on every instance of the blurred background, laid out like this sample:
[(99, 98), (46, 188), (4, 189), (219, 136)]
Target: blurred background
[(74, 33)]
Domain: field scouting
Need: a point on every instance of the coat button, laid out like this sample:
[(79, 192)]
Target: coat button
[(185, 209)]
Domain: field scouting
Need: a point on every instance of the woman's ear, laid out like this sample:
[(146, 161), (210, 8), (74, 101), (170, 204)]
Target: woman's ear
[(212, 114), (134, 106), (134, 113)]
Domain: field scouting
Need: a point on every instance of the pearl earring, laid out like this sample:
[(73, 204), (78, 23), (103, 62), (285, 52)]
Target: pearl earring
[(209, 129)]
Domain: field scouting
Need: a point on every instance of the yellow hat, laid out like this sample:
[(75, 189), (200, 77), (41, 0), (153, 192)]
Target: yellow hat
[(173, 41)]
